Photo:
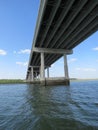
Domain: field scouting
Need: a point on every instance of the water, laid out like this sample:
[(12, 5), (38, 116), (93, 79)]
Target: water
[(34, 107)]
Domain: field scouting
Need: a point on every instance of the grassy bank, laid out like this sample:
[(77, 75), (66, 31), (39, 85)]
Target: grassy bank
[(9, 81)]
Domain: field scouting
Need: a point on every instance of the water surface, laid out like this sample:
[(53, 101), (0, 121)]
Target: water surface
[(34, 107)]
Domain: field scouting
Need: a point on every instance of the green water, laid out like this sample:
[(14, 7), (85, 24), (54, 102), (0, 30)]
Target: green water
[(34, 107)]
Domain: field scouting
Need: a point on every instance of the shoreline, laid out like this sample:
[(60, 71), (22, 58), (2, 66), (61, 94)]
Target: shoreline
[(78, 80), (11, 81), (20, 81)]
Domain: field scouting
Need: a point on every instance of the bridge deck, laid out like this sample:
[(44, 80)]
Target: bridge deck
[(62, 24)]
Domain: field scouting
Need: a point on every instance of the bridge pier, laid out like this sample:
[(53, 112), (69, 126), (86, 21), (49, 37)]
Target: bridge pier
[(50, 81), (32, 74), (48, 72), (36, 75), (66, 70), (29, 77), (42, 69)]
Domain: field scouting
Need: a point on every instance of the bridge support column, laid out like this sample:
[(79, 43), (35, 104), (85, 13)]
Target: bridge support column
[(42, 70), (66, 70), (36, 75), (48, 72), (29, 77), (32, 74)]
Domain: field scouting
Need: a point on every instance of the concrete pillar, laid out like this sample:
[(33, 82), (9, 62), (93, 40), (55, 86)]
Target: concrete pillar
[(32, 74), (42, 69), (66, 69), (29, 77), (40, 72), (36, 75), (48, 72)]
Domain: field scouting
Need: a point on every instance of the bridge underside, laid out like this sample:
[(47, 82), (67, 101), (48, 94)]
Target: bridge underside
[(61, 24)]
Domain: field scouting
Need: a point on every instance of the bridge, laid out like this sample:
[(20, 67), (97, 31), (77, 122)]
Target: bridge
[(60, 27)]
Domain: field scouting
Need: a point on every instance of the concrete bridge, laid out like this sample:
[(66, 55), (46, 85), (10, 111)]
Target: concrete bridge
[(61, 26)]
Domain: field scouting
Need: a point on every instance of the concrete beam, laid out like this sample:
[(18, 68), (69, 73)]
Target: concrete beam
[(43, 4), (38, 66), (85, 36), (36, 71), (66, 24), (52, 15), (82, 33), (76, 28), (59, 21), (50, 50)]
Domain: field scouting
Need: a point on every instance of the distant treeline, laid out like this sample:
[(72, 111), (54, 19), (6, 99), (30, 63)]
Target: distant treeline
[(73, 79), (6, 81)]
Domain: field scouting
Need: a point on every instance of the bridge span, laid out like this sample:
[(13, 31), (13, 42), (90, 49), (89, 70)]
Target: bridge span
[(61, 26)]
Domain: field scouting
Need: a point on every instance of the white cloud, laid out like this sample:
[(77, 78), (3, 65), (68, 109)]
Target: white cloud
[(3, 52), (95, 49), (22, 63), (86, 69), (25, 51), (72, 60)]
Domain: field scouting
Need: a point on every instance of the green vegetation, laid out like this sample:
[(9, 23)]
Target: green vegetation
[(11, 81), (79, 80)]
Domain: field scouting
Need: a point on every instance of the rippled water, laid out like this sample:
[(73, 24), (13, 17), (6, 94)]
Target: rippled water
[(34, 107)]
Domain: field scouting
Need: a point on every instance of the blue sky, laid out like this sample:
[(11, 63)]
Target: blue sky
[(17, 26)]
